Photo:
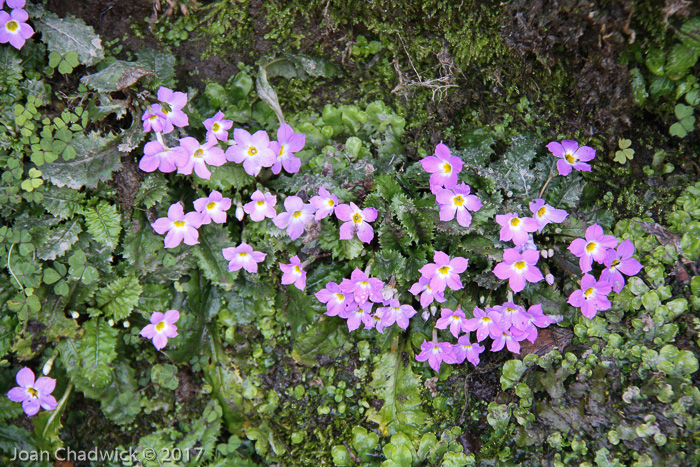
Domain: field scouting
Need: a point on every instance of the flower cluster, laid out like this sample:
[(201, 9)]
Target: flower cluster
[(180, 226), (13, 26)]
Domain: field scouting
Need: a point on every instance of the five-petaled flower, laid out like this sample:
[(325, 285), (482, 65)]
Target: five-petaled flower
[(154, 119), (13, 26), (571, 156), (179, 226), (593, 248), (293, 273), (485, 323), (286, 145), (252, 150), (544, 213), (336, 300), (451, 319), (355, 220), (158, 157), (427, 294), (465, 350), (244, 257), (519, 268), (161, 328), (213, 208), (444, 271), (33, 394), (443, 166), (592, 297), (261, 206), (295, 219), (620, 262), (362, 287), (394, 313), (171, 105), (457, 202), (516, 228), (199, 155), (436, 353), (325, 203), (217, 127)]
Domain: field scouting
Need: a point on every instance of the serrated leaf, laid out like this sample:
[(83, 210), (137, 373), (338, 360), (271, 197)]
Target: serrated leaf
[(47, 425), (120, 401), (141, 245), (10, 67), (209, 257), (680, 60), (70, 34), (325, 337), (118, 298), (59, 240), (396, 384), (152, 190), (117, 76), (162, 64), (689, 33), (227, 177), (103, 223), (95, 162), (513, 172)]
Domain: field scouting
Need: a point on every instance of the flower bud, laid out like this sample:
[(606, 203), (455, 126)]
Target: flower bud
[(110, 322), (543, 253), (75, 315), (239, 213), (433, 310), (126, 324), (49, 364), (550, 252), (425, 315), (549, 278)]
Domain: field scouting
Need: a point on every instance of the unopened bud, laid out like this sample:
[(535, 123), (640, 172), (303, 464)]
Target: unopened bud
[(425, 315), (48, 365), (543, 253), (239, 213), (110, 322), (550, 252), (482, 299), (75, 315), (509, 194), (549, 278), (433, 310), (126, 324)]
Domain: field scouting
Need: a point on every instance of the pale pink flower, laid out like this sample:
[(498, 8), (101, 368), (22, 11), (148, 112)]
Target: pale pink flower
[(199, 155), (516, 228), (436, 353), (356, 220), (213, 208), (244, 257), (158, 157), (33, 394), (295, 219), (293, 273), (161, 328), (286, 145), (217, 127), (251, 150), (518, 268), (13, 26), (261, 206), (179, 226)]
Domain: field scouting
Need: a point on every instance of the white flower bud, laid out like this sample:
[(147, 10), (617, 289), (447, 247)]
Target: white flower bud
[(433, 310), (543, 253), (110, 322), (126, 324), (550, 252), (509, 194), (48, 365), (425, 315), (75, 315), (482, 299), (239, 213), (549, 278)]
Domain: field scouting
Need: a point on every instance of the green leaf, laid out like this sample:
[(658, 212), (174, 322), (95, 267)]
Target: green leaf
[(655, 61), (47, 425), (116, 77), (682, 111), (141, 245), (119, 298), (59, 240), (165, 376), (10, 67), (396, 384), (70, 35), (162, 64), (639, 89), (227, 177), (103, 223), (120, 402), (660, 86), (513, 171), (209, 257), (327, 336), (51, 276), (680, 60)]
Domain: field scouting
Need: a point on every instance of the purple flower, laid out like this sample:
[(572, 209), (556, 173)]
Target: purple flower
[(252, 150), (179, 226), (507, 339), (592, 297), (534, 318), (261, 206), (295, 219), (171, 104), (359, 315), (161, 328), (213, 208), (286, 145), (518, 268), (395, 313), (325, 203), (335, 299), (199, 155), (571, 156), (14, 3), (363, 287), (355, 220), (451, 319), (593, 248), (465, 350), (443, 166), (427, 293), (14, 28), (544, 213), (484, 323), (244, 257), (444, 271), (457, 202), (33, 394), (293, 273), (436, 353), (512, 315), (217, 127), (154, 119), (620, 261), (516, 228), (156, 156)]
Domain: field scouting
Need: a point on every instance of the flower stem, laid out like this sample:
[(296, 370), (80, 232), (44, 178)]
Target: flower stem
[(549, 179)]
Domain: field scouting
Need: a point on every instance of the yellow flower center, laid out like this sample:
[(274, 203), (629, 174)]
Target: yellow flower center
[(589, 291), (179, 223), (447, 168), (357, 218), (243, 254), (160, 326), (215, 126), (515, 222), (297, 270), (541, 211), (165, 108), (211, 205), (281, 150), (510, 310), (458, 200), (199, 153), (436, 349), (252, 151), (331, 203), (261, 202), (296, 214), (486, 319), (571, 159), (12, 25), (364, 284), (32, 392), (444, 270), (456, 318), (340, 296), (519, 264), (153, 117), (615, 263), (591, 246)]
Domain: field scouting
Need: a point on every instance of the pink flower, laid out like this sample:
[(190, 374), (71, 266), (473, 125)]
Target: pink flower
[(443, 166), (179, 226), (161, 328), (620, 261), (14, 28), (465, 350), (156, 156), (507, 339), (244, 257), (286, 145), (295, 219), (571, 156), (544, 213), (325, 203), (359, 315), (451, 319), (154, 119), (363, 287), (444, 271), (14, 3), (355, 220), (512, 315), (293, 273), (528, 323), (33, 394), (171, 105), (199, 155), (427, 293), (436, 353), (516, 228), (217, 127), (261, 206), (592, 297), (395, 313), (457, 202), (484, 323), (253, 151), (593, 248), (213, 208), (518, 268), (336, 300)]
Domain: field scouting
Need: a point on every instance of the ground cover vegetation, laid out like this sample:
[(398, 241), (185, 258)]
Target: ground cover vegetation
[(344, 233)]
